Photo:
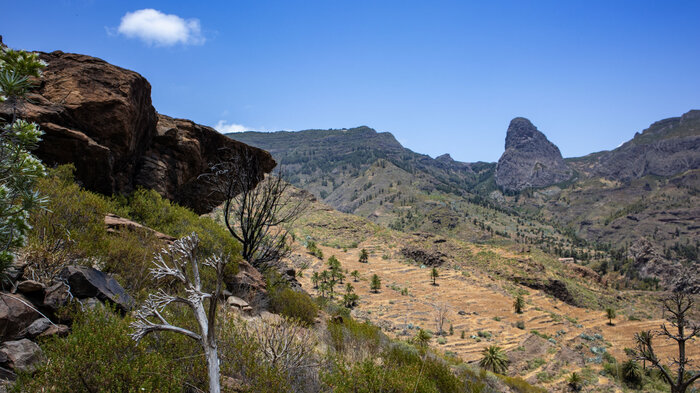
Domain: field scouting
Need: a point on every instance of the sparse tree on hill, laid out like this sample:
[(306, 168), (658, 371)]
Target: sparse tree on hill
[(677, 306), (376, 284), (610, 314), (256, 211), (494, 359), (364, 256), (315, 278), (355, 275), (518, 304), (181, 263), (434, 275), (18, 167)]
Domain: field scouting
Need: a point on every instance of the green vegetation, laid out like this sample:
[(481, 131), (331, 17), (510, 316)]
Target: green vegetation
[(100, 356), (376, 284), (610, 314), (519, 304), (293, 304), (494, 359), (434, 275), (364, 256), (19, 169)]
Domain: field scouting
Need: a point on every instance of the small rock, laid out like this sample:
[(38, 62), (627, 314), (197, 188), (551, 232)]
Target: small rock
[(462, 312), (22, 355), (36, 328), (30, 286), (53, 330)]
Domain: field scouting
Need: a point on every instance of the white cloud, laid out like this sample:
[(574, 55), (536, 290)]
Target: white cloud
[(226, 128), (156, 28)]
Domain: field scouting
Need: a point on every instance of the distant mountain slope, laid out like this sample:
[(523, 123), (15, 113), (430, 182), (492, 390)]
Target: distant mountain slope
[(648, 187)]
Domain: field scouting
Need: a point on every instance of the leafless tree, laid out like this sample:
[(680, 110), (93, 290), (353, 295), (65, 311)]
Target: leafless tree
[(284, 343), (440, 316), (256, 210), (677, 306), (181, 263)]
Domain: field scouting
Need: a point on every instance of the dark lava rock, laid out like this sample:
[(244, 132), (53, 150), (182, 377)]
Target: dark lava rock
[(672, 275), (556, 288), (86, 282), (425, 257), (530, 160)]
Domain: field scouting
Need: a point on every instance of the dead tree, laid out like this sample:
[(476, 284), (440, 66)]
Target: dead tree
[(256, 210), (181, 263), (677, 305), (440, 316)]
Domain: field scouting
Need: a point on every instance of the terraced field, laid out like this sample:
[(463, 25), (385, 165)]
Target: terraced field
[(557, 338)]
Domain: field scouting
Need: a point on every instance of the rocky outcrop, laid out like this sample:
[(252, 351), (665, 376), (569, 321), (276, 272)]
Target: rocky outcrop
[(648, 263), (530, 160), (423, 256), (100, 118), (666, 148)]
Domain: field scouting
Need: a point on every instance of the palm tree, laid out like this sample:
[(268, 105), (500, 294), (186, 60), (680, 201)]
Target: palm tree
[(519, 304), (631, 372), (422, 338), (494, 359), (434, 275), (575, 382), (315, 278), (355, 275), (610, 313), (364, 256), (376, 283)]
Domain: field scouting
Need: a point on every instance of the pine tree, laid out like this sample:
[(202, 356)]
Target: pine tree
[(376, 284), (434, 275)]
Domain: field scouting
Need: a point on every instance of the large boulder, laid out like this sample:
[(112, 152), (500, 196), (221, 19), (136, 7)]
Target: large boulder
[(530, 159), (100, 118), (86, 282), (22, 355), (16, 314)]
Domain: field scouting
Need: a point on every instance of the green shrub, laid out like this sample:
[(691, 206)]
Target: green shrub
[(100, 356), (152, 210), (292, 304)]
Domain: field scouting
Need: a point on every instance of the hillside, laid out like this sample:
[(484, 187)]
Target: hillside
[(476, 287), (589, 206)]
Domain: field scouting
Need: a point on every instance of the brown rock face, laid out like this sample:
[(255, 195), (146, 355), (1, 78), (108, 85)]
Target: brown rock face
[(100, 118)]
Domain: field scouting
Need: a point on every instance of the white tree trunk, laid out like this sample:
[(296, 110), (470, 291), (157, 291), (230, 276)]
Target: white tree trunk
[(213, 369)]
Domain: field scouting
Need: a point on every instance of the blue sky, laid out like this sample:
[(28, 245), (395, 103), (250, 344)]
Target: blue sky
[(442, 76)]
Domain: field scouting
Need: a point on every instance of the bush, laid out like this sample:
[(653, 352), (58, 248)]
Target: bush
[(99, 356), (292, 304), (152, 210)]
